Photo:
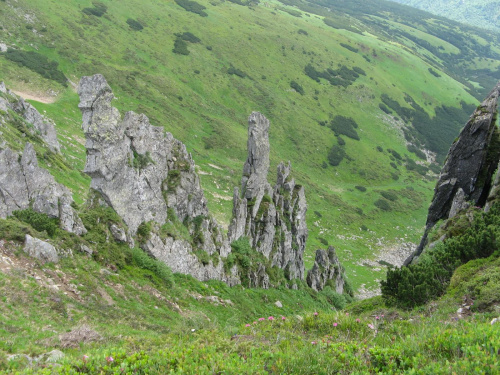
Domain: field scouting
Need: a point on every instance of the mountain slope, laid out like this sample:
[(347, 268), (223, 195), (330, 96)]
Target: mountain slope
[(365, 196), (479, 13)]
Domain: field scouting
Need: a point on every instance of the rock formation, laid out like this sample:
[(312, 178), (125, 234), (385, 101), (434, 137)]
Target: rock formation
[(42, 126), (146, 175), (25, 185), (273, 219), (467, 173), (326, 267)]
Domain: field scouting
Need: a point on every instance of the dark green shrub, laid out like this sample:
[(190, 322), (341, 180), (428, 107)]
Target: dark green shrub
[(40, 222), (358, 70), (389, 195), (294, 85), (344, 125), (336, 155), (434, 73), (323, 241), (180, 47), (144, 232), (384, 108), (188, 37), (416, 151), (141, 161), (421, 282), (13, 230), (303, 32), (360, 188), (160, 269), (237, 72), (383, 204), (192, 6), (350, 48), (340, 141), (37, 63), (336, 299), (134, 24), (98, 10)]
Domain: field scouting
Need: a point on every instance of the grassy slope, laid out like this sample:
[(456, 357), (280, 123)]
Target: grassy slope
[(194, 98)]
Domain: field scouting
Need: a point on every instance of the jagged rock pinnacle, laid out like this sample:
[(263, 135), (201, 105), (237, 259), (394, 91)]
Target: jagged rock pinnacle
[(471, 162)]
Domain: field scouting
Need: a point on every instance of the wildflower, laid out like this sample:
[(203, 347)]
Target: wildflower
[(283, 318), (261, 319), (271, 318), (377, 317), (371, 326), (346, 314), (316, 313), (247, 325), (382, 315), (254, 322), (313, 342), (109, 359), (192, 330), (335, 324), (85, 357), (357, 320)]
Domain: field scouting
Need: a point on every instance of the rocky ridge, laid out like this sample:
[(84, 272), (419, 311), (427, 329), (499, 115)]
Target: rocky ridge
[(467, 175), (149, 179), (272, 218)]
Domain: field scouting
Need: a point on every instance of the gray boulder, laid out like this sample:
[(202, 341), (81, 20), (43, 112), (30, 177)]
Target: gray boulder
[(23, 184), (326, 267), (273, 219), (40, 250)]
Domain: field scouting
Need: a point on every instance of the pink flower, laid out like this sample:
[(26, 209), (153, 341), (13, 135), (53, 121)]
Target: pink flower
[(377, 317), (109, 359), (247, 325), (371, 326), (254, 322), (313, 342), (316, 313), (283, 318), (357, 320), (271, 318), (261, 319), (85, 357), (347, 314), (382, 315), (335, 324)]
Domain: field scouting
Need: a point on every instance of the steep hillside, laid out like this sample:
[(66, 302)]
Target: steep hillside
[(478, 13), (362, 97)]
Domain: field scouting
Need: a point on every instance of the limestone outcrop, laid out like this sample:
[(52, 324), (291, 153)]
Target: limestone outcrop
[(23, 184), (467, 175), (272, 218), (326, 270), (42, 126), (146, 175)]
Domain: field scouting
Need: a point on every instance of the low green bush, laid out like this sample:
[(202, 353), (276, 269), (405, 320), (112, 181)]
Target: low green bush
[(40, 222)]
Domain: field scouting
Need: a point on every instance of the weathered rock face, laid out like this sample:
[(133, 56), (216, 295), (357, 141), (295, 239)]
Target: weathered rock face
[(273, 219), (469, 167), (42, 126), (326, 267), (145, 175), (23, 185)]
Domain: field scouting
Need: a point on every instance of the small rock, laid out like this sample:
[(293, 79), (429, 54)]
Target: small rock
[(3, 48), (278, 304), (85, 249), (104, 271), (460, 310), (41, 250), (118, 233), (51, 357)]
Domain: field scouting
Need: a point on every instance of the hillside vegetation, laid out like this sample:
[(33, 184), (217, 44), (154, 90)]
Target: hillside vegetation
[(479, 13), (362, 97)]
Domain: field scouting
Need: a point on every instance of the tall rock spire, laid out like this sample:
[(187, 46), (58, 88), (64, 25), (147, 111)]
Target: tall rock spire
[(272, 219)]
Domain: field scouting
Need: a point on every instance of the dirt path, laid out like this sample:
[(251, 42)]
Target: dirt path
[(47, 99)]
